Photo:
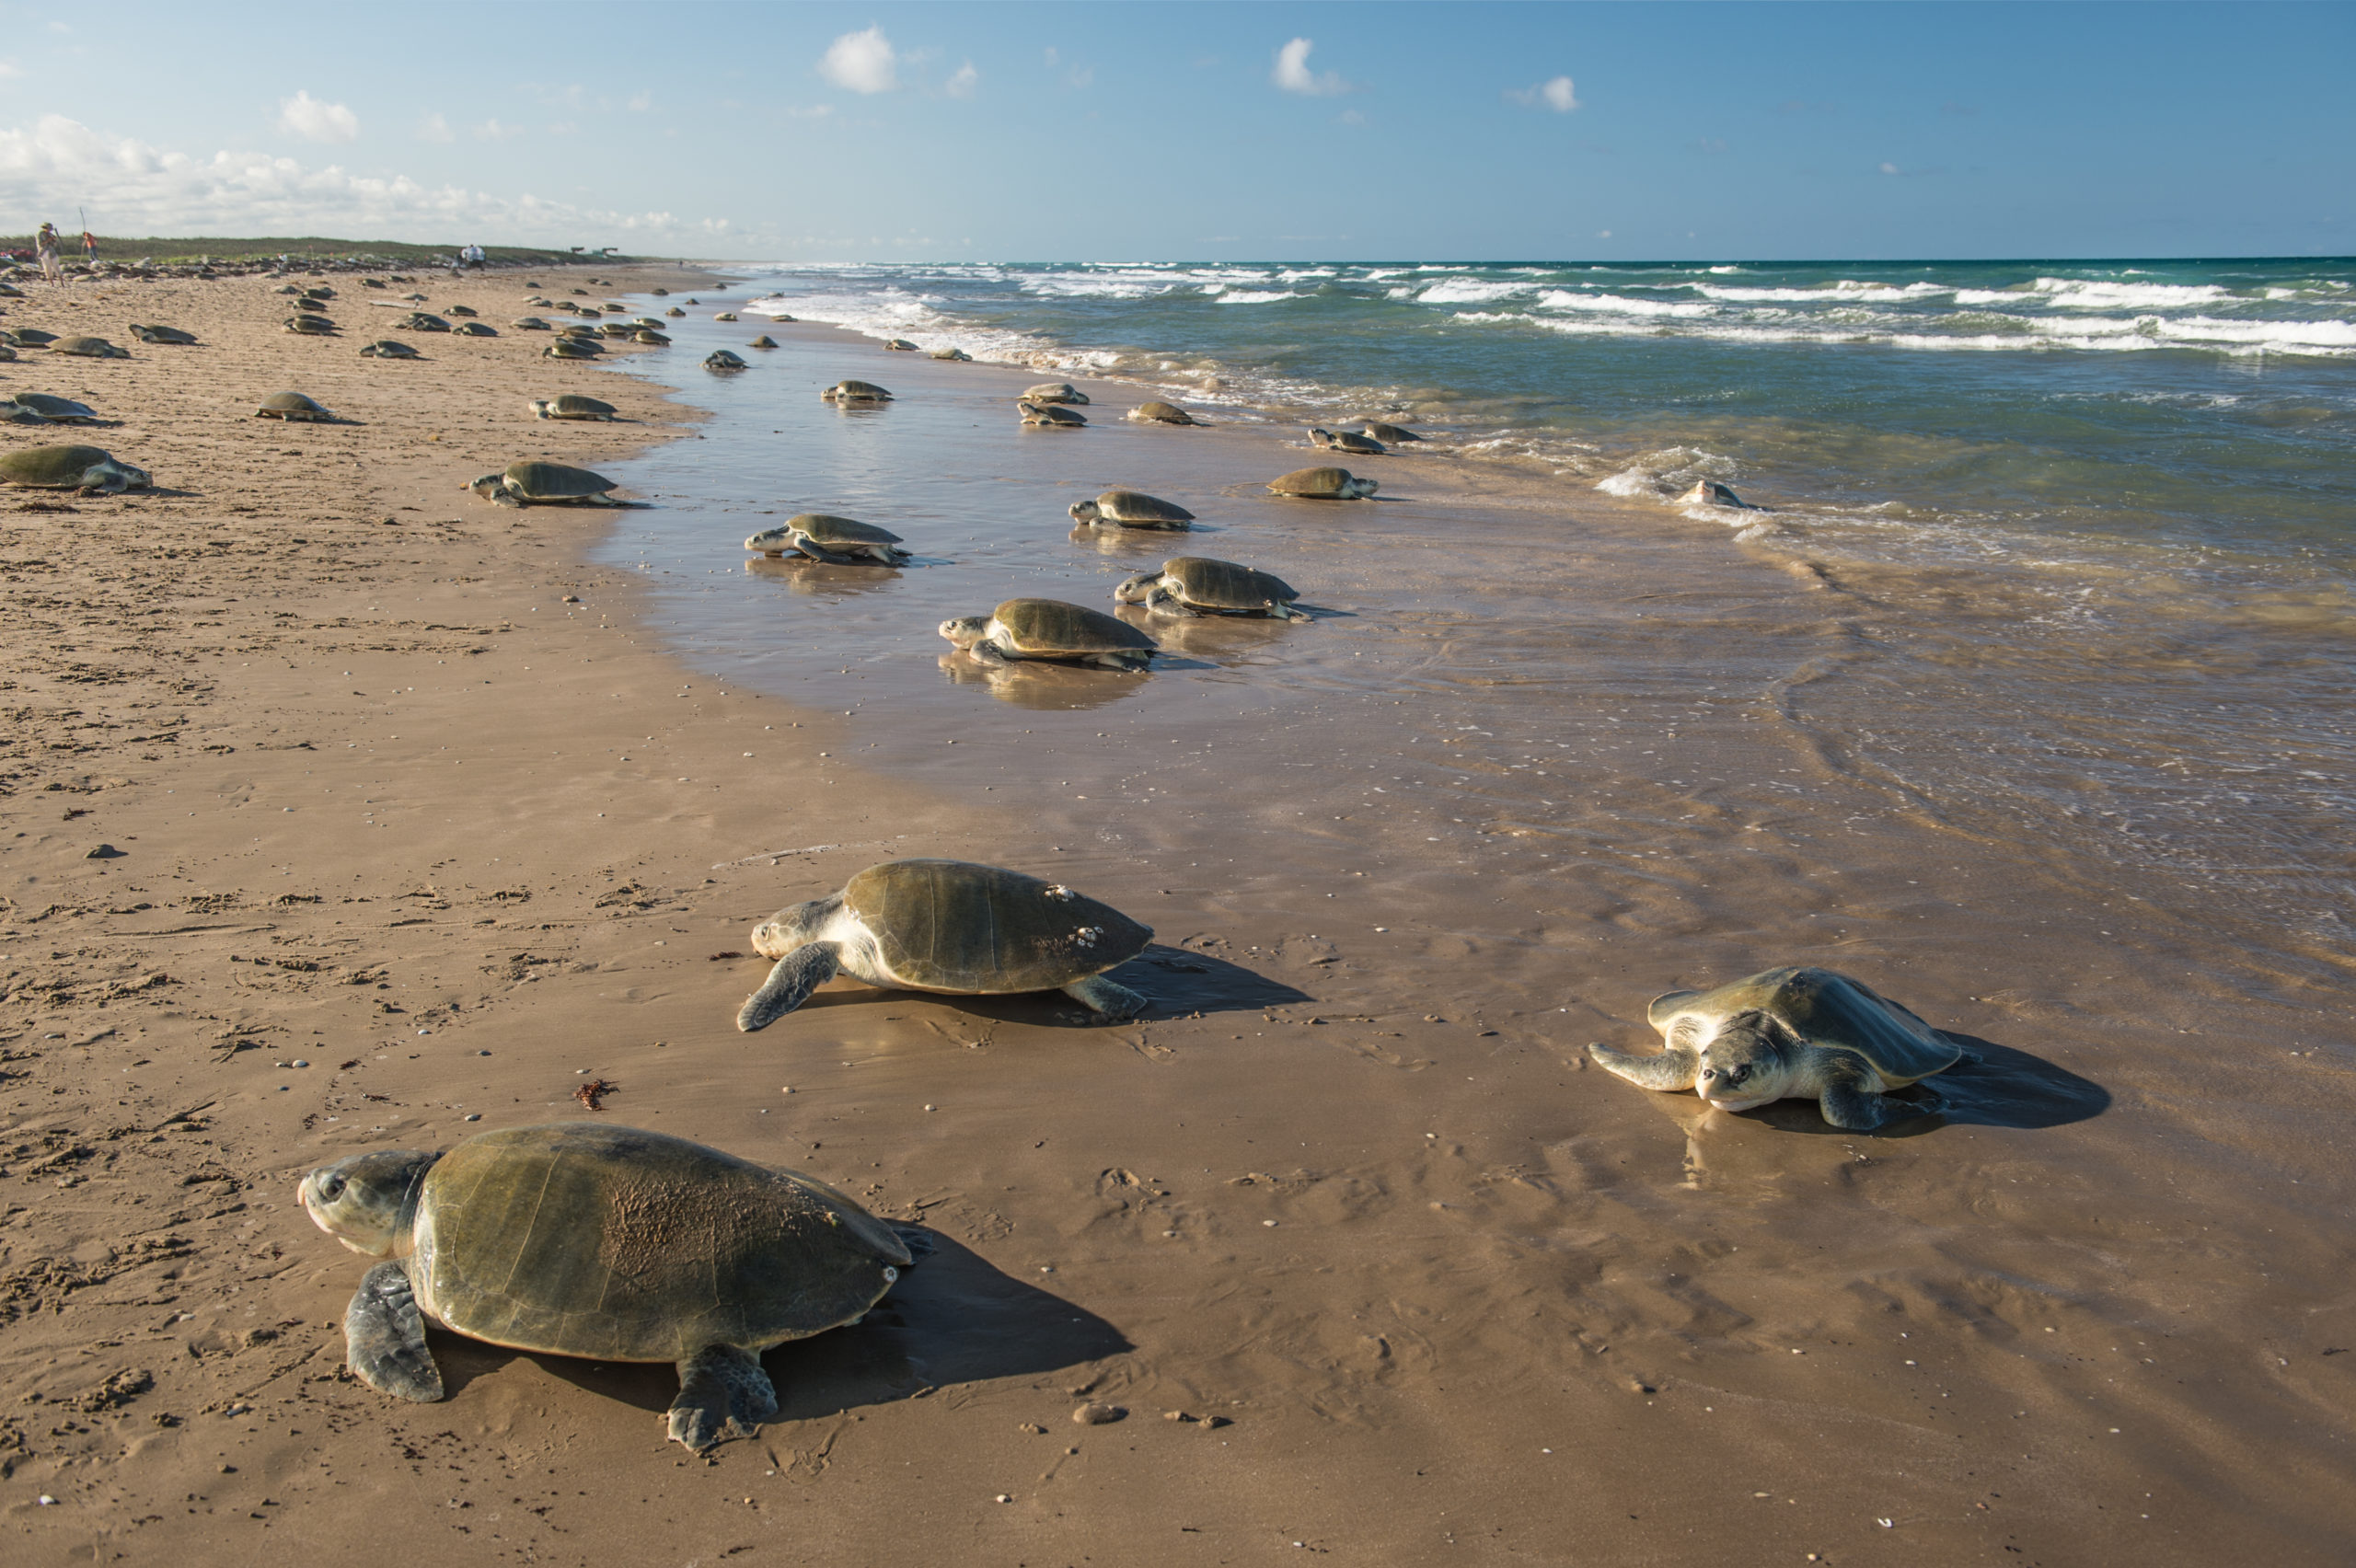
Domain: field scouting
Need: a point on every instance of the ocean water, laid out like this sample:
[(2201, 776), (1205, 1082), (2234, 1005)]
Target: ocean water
[(2086, 527)]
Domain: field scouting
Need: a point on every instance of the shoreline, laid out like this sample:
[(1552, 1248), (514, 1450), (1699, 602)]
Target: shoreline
[(1353, 1192)]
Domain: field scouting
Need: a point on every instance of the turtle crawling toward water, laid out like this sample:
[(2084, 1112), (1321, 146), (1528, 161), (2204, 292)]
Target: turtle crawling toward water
[(722, 359), (898, 345), (608, 1243), (294, 405), (1202, 586), (1051, 629), (49, 409), (1155, 411), (1346, 441), (949, 926), (390, 348), (1323, 484), (822, 536), (308, 326), (952, 354), (855, 392), (1710, 492), (1389, 435), (532, 483), (87, 469), (1784, 1034), (1130, 509), (161, 334), (1055, 392), (762, 341), (571, 348), (88, 348), (1050, 416)]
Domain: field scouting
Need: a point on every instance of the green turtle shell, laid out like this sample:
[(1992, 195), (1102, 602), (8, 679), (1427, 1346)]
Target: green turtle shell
[(582, 1239), (1051, 628), (50, 467), (1821, 1007), (1136, 509), (28, 337), (983, 930), (1158, 412), (291, 406), (50, 408), (389, 348), (555, 481), (827, 529), (1389, 434), (856, 391), (574, 406), (1316, 484), (1211, 584), (571, 348), (88, 348)]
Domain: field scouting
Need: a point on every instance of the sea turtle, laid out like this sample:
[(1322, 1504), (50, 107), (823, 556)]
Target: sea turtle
[(1056, 392), (536, 303), (460, 310), (1158, 412), (55, 411), (959, 354), (725, 316), (781, 315), (855, 392), (1200, 585), (8, 353), (292, 406), (531, 483), (319, 290), (1323, 484), (822, 536), (899, 345), (85, 469), (762, 341), (1050, 628), (608, 1243), (28, 337), (1129, 509), (1050, 415), (390, 348), (1346, 441), (948, 927), (617, 330), (571, 405), (674, 310), (310, 326), (529, 324), (660, 294), (571, 348), (1389, 435), (161, 334), (578, 332), (1790, 1033), (287, 289), (722, 359), (646, 323), (652, 340), (88, 348), (422, 321), (1710, 492), (475, 329)]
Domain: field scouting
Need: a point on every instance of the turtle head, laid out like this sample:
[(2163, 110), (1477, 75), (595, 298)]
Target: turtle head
[(795, 925), (1747, 1063), (964, 631), (1086, 512), (368, 1201), (772, 541), (1138, 590), (488, 484), (1360, 489)]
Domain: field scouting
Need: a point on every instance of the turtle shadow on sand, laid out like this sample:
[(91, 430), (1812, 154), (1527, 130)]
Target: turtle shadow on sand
[(823, 580), (955, 1318), (1993, 1085), (1175, 982)]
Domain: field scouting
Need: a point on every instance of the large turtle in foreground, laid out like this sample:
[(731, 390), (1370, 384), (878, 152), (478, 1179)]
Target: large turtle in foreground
[(1050, 628), (603, 1242), (949, 926), (85, 469), (532, 483), (1790, 1033), (1204, 586)]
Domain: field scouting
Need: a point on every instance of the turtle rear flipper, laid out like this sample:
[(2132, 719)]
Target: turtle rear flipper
[(1115, 1001), (721, 1391), (385, 1337), (918, 1241), (788, 985)]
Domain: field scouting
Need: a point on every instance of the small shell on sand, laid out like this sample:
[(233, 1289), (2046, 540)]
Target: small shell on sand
[(1096, 1413)]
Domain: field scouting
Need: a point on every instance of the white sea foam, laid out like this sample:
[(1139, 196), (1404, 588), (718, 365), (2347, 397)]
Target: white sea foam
[(1844, 290), (1255, 297), (1466, 290), (1620, 304)]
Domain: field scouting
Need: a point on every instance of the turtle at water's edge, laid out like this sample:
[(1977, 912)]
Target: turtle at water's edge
[(1323, 484), (823, 536), (1130, 509), (1792, 1033), (1204, 586), (608, 1243), (544, 484), (949, 926), (1051, 629), (571, 405), (1158, 412)]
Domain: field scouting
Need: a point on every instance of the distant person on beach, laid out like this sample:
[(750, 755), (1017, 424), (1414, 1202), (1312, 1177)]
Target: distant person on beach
[(89, 248), (473, 256), (45, 248)]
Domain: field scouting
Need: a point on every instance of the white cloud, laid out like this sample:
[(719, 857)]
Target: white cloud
[(1890, 168), (962, 81), (11, 68), (151, 189), (639, 102), (308, 117), (433, 128), (1293, 74), (863, 62), (1557, 94), (493, 131)]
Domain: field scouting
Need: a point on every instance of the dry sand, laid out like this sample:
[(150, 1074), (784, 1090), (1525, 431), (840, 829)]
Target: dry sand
[(1418, 1285)]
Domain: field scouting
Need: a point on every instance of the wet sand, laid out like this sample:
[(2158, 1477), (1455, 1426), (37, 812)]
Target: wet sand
[(1348, 1188)]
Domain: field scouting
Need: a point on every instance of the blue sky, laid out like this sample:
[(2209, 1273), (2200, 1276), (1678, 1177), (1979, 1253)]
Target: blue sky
[(1118, 132)]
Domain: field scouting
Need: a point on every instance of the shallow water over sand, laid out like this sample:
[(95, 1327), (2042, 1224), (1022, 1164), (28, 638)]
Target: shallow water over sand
[(1537, 759)]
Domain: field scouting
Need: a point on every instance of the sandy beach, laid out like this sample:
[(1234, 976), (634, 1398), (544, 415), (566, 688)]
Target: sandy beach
[(420, 810)]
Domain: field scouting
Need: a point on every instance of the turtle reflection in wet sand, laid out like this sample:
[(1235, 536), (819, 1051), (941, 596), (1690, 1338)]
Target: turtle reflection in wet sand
[(1793, 1033), (610, 1243), (952, 927)]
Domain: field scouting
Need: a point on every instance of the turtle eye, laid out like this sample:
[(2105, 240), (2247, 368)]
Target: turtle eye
[(1709, 1072), (332, 1189)]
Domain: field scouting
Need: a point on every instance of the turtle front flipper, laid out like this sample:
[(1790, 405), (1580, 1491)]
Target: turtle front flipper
[(385, 1337), (1115, 1001), (788, 985), (721, 1389), (1851, 1098), (1677, 1068)]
